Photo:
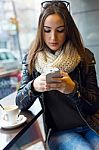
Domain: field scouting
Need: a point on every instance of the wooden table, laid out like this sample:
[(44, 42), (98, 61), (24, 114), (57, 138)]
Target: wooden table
[(8, 137)]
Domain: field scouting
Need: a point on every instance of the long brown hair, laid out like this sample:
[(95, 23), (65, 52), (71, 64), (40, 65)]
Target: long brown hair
[(72, 33)]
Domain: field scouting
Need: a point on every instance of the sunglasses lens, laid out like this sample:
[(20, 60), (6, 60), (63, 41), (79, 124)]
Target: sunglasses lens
[(46, 4)]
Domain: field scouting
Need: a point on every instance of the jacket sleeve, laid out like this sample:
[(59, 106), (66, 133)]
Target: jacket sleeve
[(25, 95), (86, 96)]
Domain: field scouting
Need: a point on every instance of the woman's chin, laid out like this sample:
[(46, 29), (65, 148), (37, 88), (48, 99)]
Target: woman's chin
[(54, 49)]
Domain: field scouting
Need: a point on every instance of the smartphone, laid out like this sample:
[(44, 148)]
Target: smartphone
[(51, 75)]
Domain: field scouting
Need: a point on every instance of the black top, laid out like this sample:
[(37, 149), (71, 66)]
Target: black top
[(60, 112)]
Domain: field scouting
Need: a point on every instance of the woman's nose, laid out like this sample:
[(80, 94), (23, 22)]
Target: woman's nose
[(53, 36)]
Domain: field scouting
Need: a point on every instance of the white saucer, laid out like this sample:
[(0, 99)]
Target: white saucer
[(6, 125)]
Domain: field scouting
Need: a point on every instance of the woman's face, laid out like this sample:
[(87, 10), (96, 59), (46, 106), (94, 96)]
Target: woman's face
[(54, 32)]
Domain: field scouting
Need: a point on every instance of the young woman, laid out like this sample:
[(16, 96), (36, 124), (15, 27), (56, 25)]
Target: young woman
[(70, 102)]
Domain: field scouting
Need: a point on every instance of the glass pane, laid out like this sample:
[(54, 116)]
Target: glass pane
[(10, 56), (84, 5), (3, 56), (88, 25)]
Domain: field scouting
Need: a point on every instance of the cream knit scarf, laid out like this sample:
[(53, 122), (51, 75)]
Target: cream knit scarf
[(65, 60)]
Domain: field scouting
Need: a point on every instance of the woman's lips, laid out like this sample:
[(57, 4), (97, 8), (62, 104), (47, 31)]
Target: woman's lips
[(54, 44)]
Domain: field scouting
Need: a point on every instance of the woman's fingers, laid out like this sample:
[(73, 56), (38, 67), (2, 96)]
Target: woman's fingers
[(63, 84), (40, 83), (64, 74)]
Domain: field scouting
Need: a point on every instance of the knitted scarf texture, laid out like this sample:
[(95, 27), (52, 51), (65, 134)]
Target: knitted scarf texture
[(66, 60)]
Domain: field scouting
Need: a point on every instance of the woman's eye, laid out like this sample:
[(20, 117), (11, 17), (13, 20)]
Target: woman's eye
[(60, 30), (47, 30)]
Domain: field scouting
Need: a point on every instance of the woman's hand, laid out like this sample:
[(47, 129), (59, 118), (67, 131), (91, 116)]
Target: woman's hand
[(39, 83), (65, 84)]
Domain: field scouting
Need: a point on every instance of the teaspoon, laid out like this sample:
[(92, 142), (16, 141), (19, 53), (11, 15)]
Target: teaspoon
[(2, 107)]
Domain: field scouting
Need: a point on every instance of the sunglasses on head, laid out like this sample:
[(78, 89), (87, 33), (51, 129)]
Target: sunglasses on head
[(61, 4)]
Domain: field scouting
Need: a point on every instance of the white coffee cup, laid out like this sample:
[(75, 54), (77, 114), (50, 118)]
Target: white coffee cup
[(10, 114)]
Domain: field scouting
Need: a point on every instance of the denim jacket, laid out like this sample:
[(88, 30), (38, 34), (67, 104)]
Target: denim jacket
[(85, 99)]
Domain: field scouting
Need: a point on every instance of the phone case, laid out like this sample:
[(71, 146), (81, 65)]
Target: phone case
[(51, 75)]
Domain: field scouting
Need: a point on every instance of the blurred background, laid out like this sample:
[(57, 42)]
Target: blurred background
[(18, 23)]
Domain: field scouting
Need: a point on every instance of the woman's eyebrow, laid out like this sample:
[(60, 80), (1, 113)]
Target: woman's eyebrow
[(47, 26), (61, 26), (57, 27)]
